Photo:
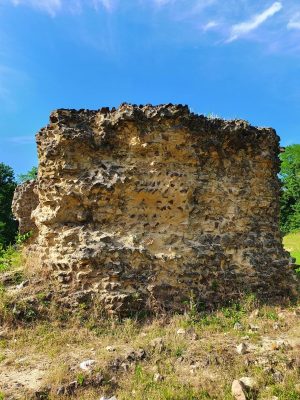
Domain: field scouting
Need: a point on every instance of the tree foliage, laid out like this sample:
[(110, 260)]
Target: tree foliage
[(31, 174), (290, 196), (8, 225)]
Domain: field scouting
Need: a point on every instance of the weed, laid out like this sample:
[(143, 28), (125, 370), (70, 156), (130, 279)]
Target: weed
[(192, 311), (80, 379), (272, 315), (179, 351), (22, 238), (9, 258), (24, 311)]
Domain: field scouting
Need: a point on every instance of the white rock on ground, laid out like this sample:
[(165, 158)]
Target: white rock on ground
[(87, 364), (237, 326), (108, 398), (242, 348), (253, 328), (249, 383), (238, 390), (110, 348), (240, 387), (158, 378)]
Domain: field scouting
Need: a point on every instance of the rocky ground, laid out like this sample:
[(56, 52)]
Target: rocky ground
[(244, 351)]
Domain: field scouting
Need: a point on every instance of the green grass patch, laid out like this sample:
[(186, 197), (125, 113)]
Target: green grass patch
[(291, 243), (143, 387), (9, 258)]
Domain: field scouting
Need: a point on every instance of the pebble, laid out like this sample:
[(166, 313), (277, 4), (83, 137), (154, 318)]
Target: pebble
[(238, 390), (108, 398), (253, 328), (242, 348), (276, 326), (194, 368), (237, 326), (87, 364), (250, 383), (194, 336), (181, 331), (158, 378), (110, 348), (158, 344), (241, 388), (22, 284), (245, 337), (254, 313), (282, 344), (278, 376)]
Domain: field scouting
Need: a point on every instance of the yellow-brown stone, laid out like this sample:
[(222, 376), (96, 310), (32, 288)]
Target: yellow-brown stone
[(147, 206)]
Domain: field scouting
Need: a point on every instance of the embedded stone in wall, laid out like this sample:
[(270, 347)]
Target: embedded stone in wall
[(146, 206)]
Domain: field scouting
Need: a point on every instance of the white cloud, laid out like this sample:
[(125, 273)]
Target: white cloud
[(109, 5), (294, 22), (50, 6), (162, 2), (210, 25), (253, 23)]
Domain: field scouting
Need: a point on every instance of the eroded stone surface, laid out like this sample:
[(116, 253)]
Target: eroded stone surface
[(146, 206), (24, 202)]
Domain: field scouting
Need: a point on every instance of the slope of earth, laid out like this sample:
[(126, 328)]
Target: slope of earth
[(193, 356)]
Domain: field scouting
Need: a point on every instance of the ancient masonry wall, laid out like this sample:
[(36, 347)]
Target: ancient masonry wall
[(147, 206)]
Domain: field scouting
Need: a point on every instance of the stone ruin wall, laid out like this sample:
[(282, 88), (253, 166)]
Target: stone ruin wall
[(147, 206)]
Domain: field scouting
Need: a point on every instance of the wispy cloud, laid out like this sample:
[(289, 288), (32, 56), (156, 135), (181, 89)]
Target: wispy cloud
[(108, 5), (253, 23), (53, 7), (229, 20), (294, 22), (210, 25), (162, 2), (49, 6)]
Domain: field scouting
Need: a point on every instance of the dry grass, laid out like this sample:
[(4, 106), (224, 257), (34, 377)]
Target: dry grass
[(197, 364), (196, 357)]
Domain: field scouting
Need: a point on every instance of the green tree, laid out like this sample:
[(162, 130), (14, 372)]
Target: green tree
[(8, 225), (290, 196), (31, 174)]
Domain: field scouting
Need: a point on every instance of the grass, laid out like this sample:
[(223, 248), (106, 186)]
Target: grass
[(199, 363), (9, 258), (291, 243)]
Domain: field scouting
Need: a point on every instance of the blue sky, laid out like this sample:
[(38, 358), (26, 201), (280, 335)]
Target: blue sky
[(233, 58)]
